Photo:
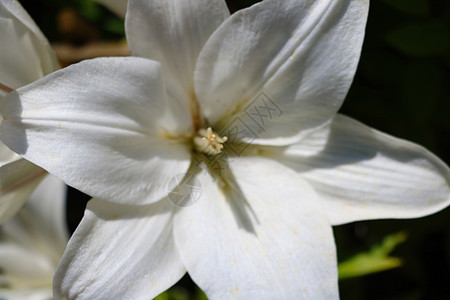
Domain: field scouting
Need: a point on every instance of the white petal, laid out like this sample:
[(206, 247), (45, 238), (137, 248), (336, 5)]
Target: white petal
[(101, 126), (6, 155), (361, 173), (26, 53), (18, 179), (120, 252), (173, 32), (260, 236), (31, 294), (22, 264), (43, 293), (117, 6), (45, 212), (281, 67), (32, 243)]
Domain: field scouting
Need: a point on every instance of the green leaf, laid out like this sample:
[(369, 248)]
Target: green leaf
[(376, 260), (174, 293), (200, 295), (163, 296)]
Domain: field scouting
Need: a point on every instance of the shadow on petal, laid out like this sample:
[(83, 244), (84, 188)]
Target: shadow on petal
[(109, 211), (12, 129)]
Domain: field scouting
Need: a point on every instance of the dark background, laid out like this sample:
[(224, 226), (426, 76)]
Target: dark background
[(402, 87)]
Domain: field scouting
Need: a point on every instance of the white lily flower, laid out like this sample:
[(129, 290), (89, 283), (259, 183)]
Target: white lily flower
[(124, 129), (25, 56), (32, 243)]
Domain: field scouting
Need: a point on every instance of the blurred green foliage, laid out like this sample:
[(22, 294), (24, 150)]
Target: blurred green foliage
[(402, 88), (177, 293), (46, 12), (96, 14), (375, 260)]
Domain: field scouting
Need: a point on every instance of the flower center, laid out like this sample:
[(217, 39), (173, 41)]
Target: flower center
[(208, 142)]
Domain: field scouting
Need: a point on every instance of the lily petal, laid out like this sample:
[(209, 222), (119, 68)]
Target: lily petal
[(120, 252), (361, 173), (18, 179), (297, 58), (173, 32), (32, 294), (2, 94), (258, 236), (33, 242), (19, 264), (26, 53), (41, 223), (45, 211), (102, 126), (26, 56)]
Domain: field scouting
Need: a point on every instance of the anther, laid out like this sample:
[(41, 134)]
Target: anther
[(208, 142)]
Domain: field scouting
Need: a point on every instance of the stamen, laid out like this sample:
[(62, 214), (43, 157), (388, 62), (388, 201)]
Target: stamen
[(209, 142), (5, 88)]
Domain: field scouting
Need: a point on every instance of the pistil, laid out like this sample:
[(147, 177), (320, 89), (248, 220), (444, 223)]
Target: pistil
[(208, 142)]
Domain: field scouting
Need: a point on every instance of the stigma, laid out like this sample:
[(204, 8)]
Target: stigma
[(208, 142)]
